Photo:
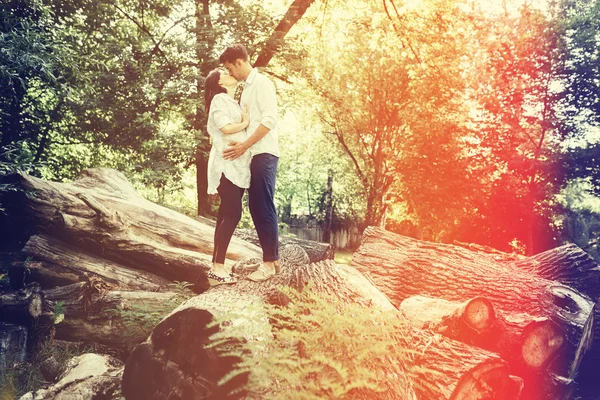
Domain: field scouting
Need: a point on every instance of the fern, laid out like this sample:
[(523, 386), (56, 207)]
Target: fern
[(323, 349)]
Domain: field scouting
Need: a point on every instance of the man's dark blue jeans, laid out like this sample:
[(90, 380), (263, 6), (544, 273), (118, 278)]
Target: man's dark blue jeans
[(263, 171)]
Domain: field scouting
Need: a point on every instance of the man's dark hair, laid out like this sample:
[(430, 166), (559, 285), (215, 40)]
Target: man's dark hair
[(234, 52)]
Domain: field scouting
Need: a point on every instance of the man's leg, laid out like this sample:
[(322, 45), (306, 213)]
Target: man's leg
[(263, 171)]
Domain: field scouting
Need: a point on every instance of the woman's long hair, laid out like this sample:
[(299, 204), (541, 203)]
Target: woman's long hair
[(212, 88)]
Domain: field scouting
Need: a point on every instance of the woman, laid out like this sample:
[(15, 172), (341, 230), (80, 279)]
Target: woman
[(226, 122)]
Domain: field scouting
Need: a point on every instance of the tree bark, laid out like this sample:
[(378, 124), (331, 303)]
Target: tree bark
[(402, 267), (328, 207), (92, 314), (528, 344), (101, 213), (175, 360), (52, 262)]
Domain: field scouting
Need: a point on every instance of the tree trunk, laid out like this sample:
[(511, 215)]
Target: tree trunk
[(52, 262), (102, 214), (328, 207), (204, 47), (92, 314), (175, 360), (402, 267)]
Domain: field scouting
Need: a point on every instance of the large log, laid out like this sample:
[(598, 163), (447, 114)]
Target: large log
[(528, 344), (102, 213), (52, 262), (567, 264), (402, 267), (317, 251), (175, 360), (94, 314)]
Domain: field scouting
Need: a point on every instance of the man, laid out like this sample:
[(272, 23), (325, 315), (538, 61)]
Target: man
[(259, 95)]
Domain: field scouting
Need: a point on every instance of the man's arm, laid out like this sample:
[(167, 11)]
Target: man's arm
[(267, 103)]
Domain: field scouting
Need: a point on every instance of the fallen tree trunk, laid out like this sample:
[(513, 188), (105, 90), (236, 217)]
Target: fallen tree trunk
[(21, 306), (402, 267), (101, 213), (176, 361), (572, 266), (94, 314), (52, 262), (567, 264), (528, 344)]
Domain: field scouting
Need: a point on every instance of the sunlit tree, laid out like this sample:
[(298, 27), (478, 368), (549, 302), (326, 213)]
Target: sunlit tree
[(517, 127)]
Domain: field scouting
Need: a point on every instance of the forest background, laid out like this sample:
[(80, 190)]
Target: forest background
[(444, 120)]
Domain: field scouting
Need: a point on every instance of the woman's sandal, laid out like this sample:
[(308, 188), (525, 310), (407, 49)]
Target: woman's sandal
[(214, 279)]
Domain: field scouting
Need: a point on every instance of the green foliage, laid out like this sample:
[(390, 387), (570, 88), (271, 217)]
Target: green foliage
[(59, 312), (579, 64), (323, 349)]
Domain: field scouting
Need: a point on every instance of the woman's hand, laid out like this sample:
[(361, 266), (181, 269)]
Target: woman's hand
[(245, 115)]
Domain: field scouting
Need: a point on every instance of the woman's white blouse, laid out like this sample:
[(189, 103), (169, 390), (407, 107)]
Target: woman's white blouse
[(225, 110)]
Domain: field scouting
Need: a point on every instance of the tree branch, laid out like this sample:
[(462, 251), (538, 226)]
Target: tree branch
[(293, 15)]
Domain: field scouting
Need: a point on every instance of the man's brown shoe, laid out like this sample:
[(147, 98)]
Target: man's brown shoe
[(262, 274)]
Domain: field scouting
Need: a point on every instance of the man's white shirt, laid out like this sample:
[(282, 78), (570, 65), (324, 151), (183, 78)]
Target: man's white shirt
[(260, 96)]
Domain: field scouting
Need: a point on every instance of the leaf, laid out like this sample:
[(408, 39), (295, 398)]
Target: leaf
[(59, 318)]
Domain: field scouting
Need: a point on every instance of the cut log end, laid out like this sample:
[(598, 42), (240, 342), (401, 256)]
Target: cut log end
[(490, 379), (35, 305), (541, 342), (479, 314)]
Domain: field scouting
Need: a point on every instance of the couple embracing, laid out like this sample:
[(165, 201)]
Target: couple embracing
[(242, 122)]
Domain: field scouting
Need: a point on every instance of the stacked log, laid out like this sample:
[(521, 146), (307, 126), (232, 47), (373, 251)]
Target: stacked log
[(94, 248), (21, 306), (95, 245), (538, 311), (176, 361), (101, 215), (570, 265)]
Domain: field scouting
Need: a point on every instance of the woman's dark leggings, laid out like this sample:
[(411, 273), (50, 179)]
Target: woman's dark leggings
[(230, 213)]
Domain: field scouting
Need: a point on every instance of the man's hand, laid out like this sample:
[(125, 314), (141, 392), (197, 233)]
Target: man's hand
[(234, 150)]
